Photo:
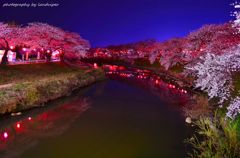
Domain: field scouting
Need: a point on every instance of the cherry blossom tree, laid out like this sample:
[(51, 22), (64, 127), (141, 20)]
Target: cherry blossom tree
[(50, 38), (171, 52), (234, 108), (10, 36), (224, 38), (74, 46), (214, 73), (236, 14), (40, 35), (216, 39), (152, 57)]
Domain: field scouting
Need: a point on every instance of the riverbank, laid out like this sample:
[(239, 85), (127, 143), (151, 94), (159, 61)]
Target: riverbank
[(216, 135), (173, 75), (27, 86)]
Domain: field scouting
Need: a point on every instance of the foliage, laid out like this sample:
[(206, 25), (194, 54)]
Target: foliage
[(214, 75), (234, 108), (216, 138), (198, 107), (236, 14), (42, 37), (216, 39)]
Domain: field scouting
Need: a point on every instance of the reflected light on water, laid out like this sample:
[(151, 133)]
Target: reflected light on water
[(26, 131), (5, 135)]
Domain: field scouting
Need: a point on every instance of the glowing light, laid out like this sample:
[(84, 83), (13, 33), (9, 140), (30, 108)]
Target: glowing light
[(42, 49), (18, 125), (95, 65), (55, 53), (11, 47), (48, 51), (121, 68), (5, 135), (24, 49), (112, 68), (156, 81), (29, 118)]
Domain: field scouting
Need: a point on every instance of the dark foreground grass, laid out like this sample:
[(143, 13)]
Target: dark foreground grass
[(31, 72)]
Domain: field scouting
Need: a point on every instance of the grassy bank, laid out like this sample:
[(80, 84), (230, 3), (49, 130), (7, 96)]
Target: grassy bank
[(27, 86)]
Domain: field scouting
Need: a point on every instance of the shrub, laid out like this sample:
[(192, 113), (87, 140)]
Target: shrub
[(216, 138)]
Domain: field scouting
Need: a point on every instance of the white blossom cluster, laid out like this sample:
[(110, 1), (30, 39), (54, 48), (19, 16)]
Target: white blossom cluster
[(213, 73), (234, 108), (236, 22), (153, 57), (4, 29)]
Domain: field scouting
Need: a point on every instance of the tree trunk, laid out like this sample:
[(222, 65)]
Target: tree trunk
[(62, 57), (5, 58), (49, 57)]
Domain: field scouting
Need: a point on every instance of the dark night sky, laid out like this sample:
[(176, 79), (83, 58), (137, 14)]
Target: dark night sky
[(107, 22)]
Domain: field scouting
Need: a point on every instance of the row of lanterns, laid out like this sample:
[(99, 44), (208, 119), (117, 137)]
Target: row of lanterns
[(142, 75)]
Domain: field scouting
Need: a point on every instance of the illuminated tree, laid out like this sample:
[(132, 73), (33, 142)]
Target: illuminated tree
[(216, 39), (74, 46), (236, 14), (171, 52), (214, 73), (51, 38), (234, 108), (10, 36)]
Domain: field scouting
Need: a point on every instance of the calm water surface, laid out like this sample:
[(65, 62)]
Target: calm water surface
[(111, 119)]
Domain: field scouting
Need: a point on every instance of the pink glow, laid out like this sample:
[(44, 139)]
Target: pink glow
[(18, 125), (5, 135), (95, 65), (11, 47), (24, 49), (29, 118)]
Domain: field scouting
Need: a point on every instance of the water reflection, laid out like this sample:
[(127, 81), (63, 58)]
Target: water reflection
[(151, 82), (129, 118), (24, 132)]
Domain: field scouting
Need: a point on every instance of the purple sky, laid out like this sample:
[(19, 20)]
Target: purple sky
[(111, 22)]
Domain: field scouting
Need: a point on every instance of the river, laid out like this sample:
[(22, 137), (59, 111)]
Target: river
[(122, 117)]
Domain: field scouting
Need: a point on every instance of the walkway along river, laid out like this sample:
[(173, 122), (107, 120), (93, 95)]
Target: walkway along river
[(131, 115)]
